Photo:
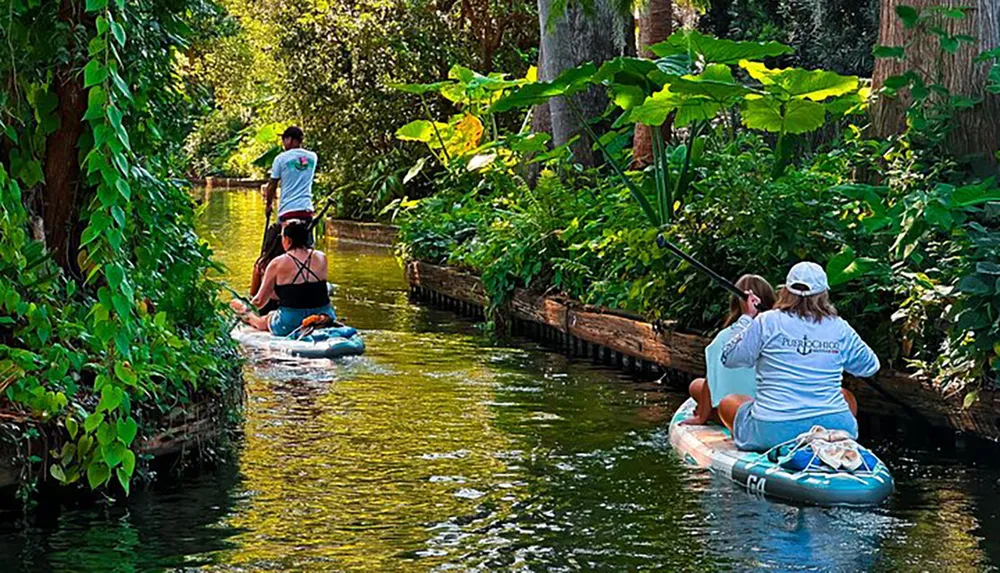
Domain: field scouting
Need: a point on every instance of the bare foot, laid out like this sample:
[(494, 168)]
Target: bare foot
[(696, 421)]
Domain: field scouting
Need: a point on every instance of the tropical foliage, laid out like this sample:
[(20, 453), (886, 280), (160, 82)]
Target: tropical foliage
[(328, 66), (118, 321), (907, 235)]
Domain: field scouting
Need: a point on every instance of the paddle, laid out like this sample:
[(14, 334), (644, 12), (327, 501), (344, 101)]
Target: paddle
[(663, 243), (319, 216), (263, 240)]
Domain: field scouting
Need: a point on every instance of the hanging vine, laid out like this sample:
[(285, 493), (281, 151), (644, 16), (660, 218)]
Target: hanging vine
[(107, 312)]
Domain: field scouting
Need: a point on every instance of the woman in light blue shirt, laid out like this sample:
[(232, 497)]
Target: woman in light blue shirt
[(800, 351), (720, 382)]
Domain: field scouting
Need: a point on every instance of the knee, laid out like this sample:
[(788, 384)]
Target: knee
[(733, 401), (729, 406), (696, 386)]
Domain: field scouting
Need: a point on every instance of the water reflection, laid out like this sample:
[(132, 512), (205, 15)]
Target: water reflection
[(443, 450)]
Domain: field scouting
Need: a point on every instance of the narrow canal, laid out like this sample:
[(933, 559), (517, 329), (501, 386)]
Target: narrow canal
[(445, 449)]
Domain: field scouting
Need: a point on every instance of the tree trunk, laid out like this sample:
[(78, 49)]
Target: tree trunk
[(572, 39), (541, 120), (655, 24), (60, 203), (977, 131)]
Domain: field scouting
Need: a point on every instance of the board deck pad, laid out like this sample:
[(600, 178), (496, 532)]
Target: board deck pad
[(711, 447), (323, 343)]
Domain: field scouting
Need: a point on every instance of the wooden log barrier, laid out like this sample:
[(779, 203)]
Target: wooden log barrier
[(608, 336), (356, 232), (216, 183)]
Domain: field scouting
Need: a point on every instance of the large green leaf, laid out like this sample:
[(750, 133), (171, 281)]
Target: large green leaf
[(675, 65), (421, 130), (474, 80), (850, 103), (264, 160), (971, 195), (569, 82), (715, 83), (816, 85), (690, 108), (795, 116), (845, 266), (627, 71), (627, 97), (97, 474), (714, 50)]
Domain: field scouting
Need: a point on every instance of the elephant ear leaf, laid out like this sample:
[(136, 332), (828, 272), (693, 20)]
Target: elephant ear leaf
[(715, 83), (423, 130), (568, 83), (714, 50), (264, 160), (799, 83), (625, 71), (845, 266), (772, 115), (690, 108)]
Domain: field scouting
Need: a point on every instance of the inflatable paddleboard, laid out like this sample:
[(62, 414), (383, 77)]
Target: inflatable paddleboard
[(711, 446), (323, 343)]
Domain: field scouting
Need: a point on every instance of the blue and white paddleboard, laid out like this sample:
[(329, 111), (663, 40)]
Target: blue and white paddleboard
[(711, 446), (322, 343)]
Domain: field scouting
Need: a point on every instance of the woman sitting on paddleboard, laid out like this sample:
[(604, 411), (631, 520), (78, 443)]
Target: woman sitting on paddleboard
[(298, 279), (800, 350), (720, 382), (273, 249)]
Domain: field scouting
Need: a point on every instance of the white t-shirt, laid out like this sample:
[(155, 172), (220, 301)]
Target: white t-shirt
[(295, 169), (724, 381)]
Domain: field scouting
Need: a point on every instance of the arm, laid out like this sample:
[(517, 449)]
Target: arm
[(269, 193), (859, 359), (267, 285), (255, 280), (272, 185), (744, 347), (323, 268)]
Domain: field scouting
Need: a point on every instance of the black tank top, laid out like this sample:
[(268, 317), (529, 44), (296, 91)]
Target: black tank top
[(306, 294)]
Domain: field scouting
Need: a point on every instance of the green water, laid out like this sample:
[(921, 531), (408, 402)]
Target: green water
[(443, 449)]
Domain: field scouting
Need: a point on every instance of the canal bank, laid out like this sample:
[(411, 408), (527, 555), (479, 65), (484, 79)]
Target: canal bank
[(168, 442), (447, 448), (889, 400)]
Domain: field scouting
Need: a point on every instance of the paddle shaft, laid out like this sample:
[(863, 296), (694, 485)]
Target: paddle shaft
[(321, 214), (263, 240), (663, 243)]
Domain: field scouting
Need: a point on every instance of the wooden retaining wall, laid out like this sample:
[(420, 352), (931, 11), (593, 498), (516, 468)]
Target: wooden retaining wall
[(630, 342), (355, 232), (213, 183), (178, 431)]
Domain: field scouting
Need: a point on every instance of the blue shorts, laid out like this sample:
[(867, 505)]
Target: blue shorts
[(753, 435), (285, 320)]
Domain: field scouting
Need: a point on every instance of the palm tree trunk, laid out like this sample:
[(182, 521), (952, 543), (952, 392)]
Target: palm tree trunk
[(977, 132), (573, 38), (655, 24)]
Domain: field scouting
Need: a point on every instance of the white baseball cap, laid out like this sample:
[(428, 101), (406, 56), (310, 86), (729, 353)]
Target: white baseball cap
[(807, 274)]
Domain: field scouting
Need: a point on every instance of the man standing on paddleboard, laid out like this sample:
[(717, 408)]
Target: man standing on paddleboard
[(294, 169)]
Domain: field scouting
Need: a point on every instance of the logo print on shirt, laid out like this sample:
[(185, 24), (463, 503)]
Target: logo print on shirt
[(806, 346), (300, 164)]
